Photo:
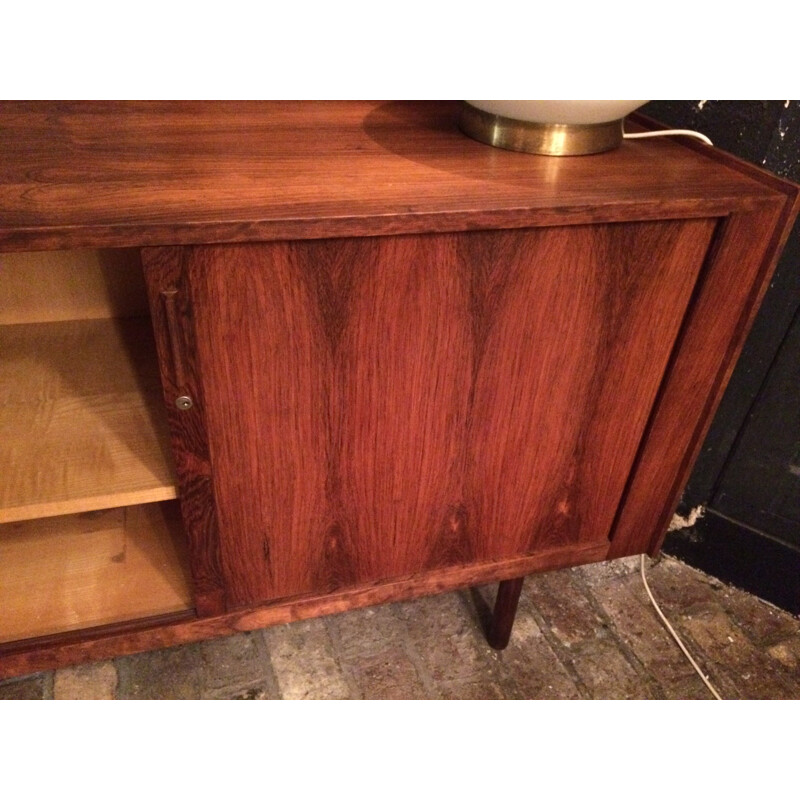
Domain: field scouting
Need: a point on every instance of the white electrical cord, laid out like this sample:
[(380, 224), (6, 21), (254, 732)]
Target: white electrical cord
[(676, 132), (703, 138), (675, 635)]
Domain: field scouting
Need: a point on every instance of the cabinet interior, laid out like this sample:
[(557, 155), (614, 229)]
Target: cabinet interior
[(89, 530)]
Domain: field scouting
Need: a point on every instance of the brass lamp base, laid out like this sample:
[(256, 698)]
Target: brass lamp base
[(549, 139)]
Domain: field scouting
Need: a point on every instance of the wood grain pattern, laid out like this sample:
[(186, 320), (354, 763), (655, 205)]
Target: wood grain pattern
[(718, 156), (134, 174), (380, 407), (265, 378), (73, 572), (164, 273), (23, 657), (581, 324), (81, 420), (736, 276), (403, 367), (333, 462)]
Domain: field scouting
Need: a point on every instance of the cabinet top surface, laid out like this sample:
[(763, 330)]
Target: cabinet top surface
[(122, 174)]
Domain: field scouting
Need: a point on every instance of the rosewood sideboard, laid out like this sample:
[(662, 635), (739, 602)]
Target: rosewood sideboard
[(266, 361)]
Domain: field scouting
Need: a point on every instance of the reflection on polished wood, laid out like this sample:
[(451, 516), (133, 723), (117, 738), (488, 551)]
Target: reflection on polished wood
[(137, 174)]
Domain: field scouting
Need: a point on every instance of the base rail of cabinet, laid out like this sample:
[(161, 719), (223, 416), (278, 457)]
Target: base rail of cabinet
[(55, 652)]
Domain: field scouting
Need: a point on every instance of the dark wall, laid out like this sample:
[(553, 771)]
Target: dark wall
[(748, 475)]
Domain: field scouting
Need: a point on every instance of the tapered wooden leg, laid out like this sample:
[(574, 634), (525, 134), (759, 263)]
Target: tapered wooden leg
[(505, 609)]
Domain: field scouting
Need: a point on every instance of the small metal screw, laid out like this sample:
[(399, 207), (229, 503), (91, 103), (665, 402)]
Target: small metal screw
[(184, 403)]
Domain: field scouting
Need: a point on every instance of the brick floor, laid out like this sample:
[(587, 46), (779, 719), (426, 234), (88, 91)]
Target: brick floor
[(586, 633)]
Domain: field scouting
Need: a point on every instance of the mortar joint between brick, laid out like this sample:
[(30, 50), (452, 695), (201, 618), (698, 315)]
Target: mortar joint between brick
[(562, 653), (628, 652)]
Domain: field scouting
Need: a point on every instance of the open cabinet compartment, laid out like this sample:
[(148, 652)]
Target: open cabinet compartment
[(89, 530)]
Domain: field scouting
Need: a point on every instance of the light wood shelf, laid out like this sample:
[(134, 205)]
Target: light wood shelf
[(82, 425), (66, 573)]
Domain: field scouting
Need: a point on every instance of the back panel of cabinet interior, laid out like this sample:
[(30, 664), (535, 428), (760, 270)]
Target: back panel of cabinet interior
[(378, 407)]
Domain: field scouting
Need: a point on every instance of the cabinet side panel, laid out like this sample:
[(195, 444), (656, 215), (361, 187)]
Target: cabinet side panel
[(574, 328), (734, 279), (171, 311)]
